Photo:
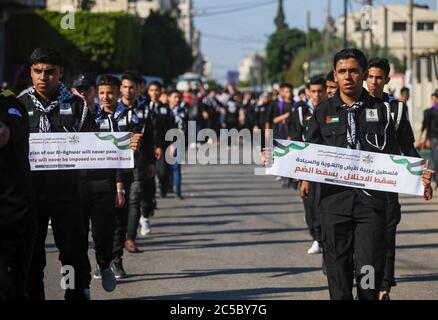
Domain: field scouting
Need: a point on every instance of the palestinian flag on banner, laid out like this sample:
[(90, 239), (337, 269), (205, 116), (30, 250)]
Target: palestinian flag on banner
[(414, 168), (122, 143), (334, 119), (281, 150)]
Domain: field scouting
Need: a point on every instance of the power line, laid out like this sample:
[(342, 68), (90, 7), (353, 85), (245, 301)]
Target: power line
[(238, 40), (238, 9), (227, 6)]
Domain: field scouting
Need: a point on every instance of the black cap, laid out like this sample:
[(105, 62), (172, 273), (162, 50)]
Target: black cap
[(85, 80)]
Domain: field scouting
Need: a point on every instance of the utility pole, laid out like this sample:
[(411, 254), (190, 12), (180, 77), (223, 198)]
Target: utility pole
[(327, 31), (410, 53), (410, 57), (385, 31), (370, 3), (345, 23), (308, 44)]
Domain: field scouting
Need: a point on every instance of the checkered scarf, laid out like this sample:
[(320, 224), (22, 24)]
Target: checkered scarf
[(63, 94), (352, 139)]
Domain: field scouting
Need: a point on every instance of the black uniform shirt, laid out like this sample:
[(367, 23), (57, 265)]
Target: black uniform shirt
[(405, 134), (102, 180), (15, 184), (431, 116), (300, 120), (68, 116), (328, 126), (138, 119), (163, 120)]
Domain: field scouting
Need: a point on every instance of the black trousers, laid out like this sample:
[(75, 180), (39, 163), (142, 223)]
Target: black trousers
[(360, 232), (15, 257), (139, 199), (163, 172), (393, 217), (313, 216), (99, 208), (70, 239), (121, 224)]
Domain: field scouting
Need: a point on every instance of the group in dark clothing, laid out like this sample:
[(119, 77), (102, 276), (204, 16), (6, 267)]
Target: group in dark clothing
[(353, 228)]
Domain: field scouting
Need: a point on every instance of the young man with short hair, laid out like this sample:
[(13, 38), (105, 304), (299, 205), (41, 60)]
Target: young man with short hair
[(180, 113), (300, 121), (405, 94), (353, 220), (331, 84), (53, 108), (163, 120), (140, 201), (378, 77)]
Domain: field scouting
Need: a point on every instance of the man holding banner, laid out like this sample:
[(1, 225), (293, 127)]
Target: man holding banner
[(354, 130), (53, 108)]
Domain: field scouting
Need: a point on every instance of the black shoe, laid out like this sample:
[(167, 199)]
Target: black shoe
[(324, 269), (179, 196), (117, 268)]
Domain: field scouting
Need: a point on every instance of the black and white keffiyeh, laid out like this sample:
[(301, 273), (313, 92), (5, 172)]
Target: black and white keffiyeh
[(352, 138), (63, 94)]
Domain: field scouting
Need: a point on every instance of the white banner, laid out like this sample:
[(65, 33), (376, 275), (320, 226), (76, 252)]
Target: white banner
[(72, 151), (346, 167)]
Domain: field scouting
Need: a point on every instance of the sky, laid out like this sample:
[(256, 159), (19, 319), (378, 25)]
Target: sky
[(244, 25)]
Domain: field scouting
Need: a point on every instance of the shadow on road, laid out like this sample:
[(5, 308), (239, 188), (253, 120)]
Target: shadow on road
[(418, 278), (184, 274)]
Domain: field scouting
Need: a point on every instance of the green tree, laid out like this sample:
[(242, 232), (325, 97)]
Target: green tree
[(280, 50), (322, 62), (165, 52)]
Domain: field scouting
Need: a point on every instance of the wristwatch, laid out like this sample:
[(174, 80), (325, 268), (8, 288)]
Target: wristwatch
[(121, 191)]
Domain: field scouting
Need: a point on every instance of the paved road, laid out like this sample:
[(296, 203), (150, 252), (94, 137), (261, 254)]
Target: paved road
[(240, 236)]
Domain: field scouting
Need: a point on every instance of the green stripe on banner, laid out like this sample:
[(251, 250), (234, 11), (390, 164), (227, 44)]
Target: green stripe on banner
[(287, 149), (410, 166), (118, 142)]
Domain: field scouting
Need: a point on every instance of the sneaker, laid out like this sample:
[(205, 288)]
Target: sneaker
[(109, 281), (145, 226), (315, 248), (49, 225), (97, 274), (117, 268)]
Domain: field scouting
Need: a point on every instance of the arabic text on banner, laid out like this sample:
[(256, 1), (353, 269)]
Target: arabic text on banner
[(347, 167)]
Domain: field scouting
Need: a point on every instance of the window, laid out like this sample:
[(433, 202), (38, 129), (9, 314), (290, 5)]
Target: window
[(357, 26), (425, 26), (399, 26)]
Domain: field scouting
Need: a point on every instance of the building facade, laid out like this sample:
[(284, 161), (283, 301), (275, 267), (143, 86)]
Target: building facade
[(389, 29), (251, 71)]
